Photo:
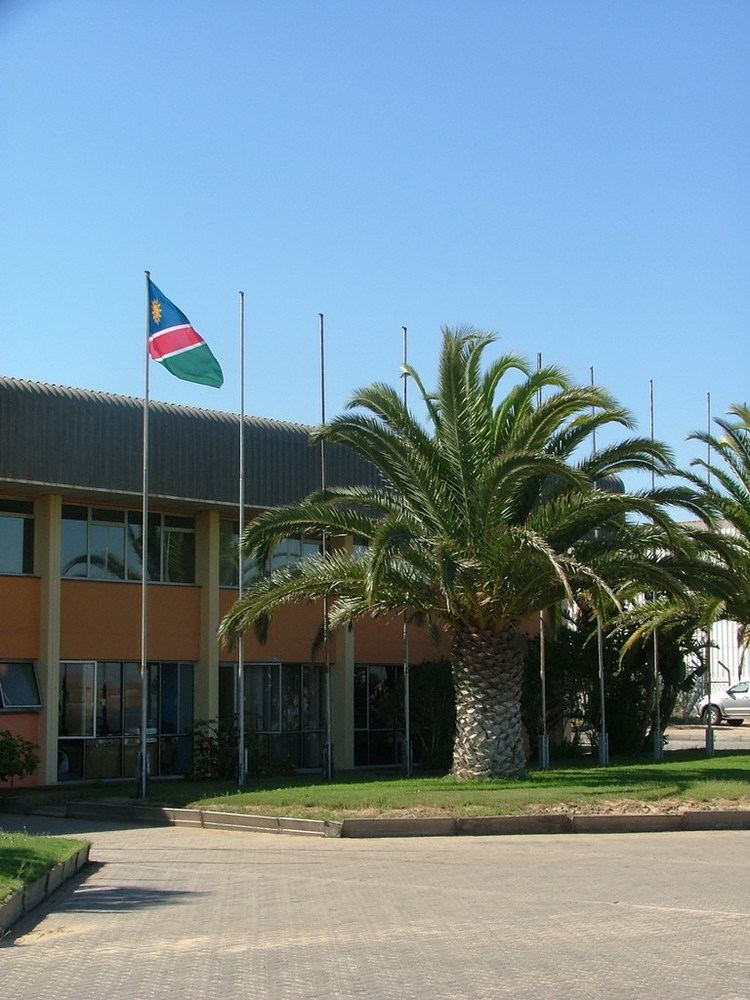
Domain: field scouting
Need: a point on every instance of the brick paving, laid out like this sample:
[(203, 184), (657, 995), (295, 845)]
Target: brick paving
[(213, 914)]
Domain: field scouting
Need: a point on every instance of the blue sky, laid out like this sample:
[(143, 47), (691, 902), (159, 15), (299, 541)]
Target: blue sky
[(572, 175)]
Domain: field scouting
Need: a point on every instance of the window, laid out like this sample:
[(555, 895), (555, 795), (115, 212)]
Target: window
[(100, 719), (286, 552), (18, 687), (16, 536), (283, 707), (378, 714), (100, 543)]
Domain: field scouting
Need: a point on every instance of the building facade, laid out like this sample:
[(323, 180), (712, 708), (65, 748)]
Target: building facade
[(70, 569)]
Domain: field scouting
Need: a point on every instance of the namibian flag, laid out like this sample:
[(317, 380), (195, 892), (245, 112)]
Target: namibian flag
[(173, 342)]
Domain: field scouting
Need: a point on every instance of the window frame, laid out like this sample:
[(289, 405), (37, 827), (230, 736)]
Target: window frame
[(156, 519), (24, 516), (21, 708)]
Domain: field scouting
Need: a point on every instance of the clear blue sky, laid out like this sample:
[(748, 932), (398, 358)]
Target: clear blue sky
[(572, 175)]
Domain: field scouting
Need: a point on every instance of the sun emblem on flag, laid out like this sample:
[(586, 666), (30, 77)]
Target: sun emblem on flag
[(156, 310)]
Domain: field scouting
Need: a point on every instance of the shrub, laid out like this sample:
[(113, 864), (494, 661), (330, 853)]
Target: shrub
[(18, 757), (215, 752)]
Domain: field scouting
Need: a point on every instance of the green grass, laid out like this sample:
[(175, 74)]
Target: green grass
[(686, 778), (25, 858)]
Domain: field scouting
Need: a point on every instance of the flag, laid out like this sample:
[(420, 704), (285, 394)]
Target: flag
[(174, 343)]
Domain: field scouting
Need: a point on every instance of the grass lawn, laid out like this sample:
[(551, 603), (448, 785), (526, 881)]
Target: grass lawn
[(686, 780), (24, 858)]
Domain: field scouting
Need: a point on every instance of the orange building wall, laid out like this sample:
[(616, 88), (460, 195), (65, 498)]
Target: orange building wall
[(25, 724), (19, 617), (380, 640), (290, 637), (102, 621)]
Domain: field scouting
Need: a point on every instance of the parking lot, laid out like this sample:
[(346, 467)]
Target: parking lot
[(210, 914), (689, 737)]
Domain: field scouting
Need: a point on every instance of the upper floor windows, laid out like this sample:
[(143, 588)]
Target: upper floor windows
[(288, 551), (100, 543), (16, 536)]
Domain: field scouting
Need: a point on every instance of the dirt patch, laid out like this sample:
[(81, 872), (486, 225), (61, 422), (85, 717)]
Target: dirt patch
[(623, 807)]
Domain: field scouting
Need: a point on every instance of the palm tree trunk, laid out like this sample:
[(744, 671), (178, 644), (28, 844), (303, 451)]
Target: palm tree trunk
[(487, 673)]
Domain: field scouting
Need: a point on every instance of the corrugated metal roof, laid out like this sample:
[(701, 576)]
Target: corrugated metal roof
[(80, 440)]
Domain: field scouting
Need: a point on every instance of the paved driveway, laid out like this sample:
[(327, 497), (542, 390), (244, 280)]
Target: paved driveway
[(685, 737), (209, 914)]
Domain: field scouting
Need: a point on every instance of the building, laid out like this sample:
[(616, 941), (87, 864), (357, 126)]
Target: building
[(70, 533)]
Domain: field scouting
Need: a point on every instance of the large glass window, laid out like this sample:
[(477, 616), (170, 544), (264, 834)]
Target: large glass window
[(283, 708), (378, 714), (99, 543), (18, 687), (16, 536), (286, 552), (107, 544), (100, 719)]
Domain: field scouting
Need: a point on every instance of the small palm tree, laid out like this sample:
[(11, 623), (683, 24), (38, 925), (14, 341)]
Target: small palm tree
[(482, 518)]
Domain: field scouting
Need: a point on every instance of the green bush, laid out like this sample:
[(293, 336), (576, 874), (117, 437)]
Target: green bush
[(18, 757), (214, 750)]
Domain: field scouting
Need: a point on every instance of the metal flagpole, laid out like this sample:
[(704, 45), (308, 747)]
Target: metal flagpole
[(408, 769), (142, 782), (603, 736), (709, 713), (242, 753), (328, 752), (543, 748), (658, 747)]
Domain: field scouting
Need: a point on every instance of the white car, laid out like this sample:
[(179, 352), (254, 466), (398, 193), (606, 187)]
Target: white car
[(731, 705)]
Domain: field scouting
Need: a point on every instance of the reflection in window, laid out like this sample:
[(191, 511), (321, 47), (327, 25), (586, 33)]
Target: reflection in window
[(100, 718), (283, 708), (16, 536), (378, 714), (287, 552), (100, 543), (77, 699)]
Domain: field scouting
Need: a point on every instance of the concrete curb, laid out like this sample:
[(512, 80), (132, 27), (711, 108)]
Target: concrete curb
[(208, 819), (558, 823), (427, 826), (29, 896)]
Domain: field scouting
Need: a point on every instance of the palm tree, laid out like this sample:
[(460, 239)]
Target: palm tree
[(482, 518), (719, 582)]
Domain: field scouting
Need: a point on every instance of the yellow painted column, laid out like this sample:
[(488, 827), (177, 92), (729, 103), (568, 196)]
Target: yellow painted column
[(47, 546), (206, 703)]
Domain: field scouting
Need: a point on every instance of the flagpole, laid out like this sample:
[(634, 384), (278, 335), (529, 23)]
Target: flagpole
[(709, 713), (241, 761), (603, 737), (328, 752), (656, 736), (408, 769), (143, 755), (543, 748)]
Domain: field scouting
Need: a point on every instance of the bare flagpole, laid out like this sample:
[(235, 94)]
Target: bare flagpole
[(328, 753), (407, 686), (142, 783), (603, 736), (242, 754), (656, 735), (709, 711), (543, 749)]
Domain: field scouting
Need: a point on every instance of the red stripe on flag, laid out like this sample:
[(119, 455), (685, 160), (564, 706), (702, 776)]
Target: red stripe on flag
[(173, 340)]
